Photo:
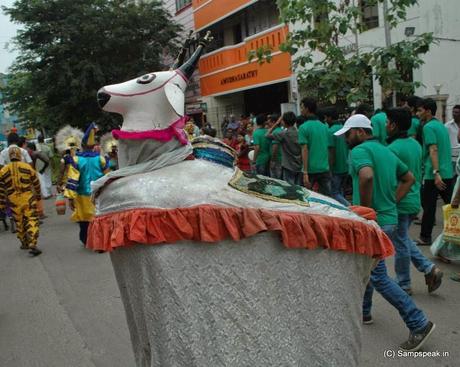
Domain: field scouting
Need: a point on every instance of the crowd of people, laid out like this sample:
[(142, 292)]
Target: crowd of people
[(306, 150), (26, 180)]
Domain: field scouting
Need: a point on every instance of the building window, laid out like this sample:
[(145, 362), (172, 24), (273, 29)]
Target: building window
[(369, 14), (180, 4)]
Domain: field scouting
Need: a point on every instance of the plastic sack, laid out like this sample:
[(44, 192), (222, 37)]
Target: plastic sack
[(451, 224)]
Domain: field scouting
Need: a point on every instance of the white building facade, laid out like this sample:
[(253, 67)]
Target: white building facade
[(440, 74)]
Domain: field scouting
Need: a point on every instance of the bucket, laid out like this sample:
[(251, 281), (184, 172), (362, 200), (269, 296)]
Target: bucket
[(60, 204)]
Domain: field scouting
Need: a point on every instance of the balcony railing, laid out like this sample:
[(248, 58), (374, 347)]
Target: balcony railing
[(238, 54), (228, 69), (207, 12)]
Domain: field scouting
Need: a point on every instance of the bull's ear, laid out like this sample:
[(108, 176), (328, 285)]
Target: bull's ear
[(175, 97)]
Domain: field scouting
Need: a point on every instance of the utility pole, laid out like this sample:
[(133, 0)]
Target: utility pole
[(386, 26), (355, 31)]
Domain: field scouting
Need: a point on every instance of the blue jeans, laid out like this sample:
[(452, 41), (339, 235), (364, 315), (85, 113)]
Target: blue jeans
[(337, 183), (294, 178), (263, 169), (407, 251), (413, 317), (276, 170)]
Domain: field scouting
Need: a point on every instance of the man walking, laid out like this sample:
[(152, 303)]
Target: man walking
[(44, 171), (454, 131), (314, 138), (13, 140), (261, 147), (338, 156), (415, 130), (276, 152), (20, 187), (375, 185), (437, 179), (379, 122), (85, 167), (287, 139), (409, 152)]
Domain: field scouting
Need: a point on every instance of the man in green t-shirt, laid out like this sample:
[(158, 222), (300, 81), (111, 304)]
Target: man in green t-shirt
[(415, 130), (338, 156), (379, 122), (375, 171), (275, 160), (261, 146), (438, 174), (314, 139), (409, 151)]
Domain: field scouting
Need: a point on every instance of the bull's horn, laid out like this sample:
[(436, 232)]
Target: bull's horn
[(180, 58), (189, 66)]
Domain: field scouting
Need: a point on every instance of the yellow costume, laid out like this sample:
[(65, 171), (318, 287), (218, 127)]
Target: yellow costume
[(19, 185), (82, 169)]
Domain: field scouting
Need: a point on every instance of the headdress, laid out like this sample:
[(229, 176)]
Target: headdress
[(68, 138), (89, 138), (107, 143)]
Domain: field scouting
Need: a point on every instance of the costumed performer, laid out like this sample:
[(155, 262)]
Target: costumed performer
[(109, 150), (20, 188), (83, 168), (217, 267), (67, 143)]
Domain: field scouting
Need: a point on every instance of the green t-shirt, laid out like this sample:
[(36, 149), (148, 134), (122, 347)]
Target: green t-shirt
[(387, 168), (274, 141), (434, 132), (315, 135), (379, 127), (341, 150), (263, 157), (409, 151), (415, 125)]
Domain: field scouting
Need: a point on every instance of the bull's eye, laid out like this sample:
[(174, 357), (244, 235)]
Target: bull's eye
[(146, 79)]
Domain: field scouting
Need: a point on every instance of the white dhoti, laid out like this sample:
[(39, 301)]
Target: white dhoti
[(45, 183)]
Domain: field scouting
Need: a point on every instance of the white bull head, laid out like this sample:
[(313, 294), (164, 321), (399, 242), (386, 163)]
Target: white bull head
[(154, 101), (151, 102)]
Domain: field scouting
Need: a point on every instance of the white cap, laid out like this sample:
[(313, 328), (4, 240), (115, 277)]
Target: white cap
[(355, 121)]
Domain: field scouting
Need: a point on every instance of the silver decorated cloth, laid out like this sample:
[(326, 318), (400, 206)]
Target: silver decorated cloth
[(251, 303), (246, 303), (136, 157), (199, 182)]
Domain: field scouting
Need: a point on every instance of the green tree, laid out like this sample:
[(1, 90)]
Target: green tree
[(71, 48), (324, 66)]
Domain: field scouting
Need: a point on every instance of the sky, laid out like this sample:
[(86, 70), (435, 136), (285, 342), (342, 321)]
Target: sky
[(7, 32)]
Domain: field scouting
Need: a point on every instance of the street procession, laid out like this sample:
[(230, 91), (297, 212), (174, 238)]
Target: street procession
[(229, 183)]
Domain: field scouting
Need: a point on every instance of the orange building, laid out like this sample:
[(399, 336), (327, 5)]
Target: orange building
[(229, 82)]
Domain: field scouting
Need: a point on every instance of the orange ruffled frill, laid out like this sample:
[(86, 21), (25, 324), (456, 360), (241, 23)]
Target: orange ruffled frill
[(211, 223)]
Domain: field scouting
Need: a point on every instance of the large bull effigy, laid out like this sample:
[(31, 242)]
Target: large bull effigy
[(217, 267)]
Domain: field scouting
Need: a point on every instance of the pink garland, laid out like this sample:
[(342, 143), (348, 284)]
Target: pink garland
[(175, 130)]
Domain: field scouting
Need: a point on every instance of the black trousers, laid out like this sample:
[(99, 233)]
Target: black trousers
[(83, 232), (429, 199)]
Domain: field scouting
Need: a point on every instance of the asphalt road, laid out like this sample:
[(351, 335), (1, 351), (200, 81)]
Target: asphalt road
[(63, 309)]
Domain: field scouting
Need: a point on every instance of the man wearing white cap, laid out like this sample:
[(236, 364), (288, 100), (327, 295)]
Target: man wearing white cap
[(375, 171)]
